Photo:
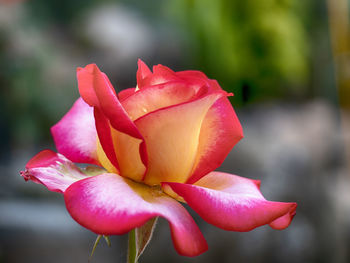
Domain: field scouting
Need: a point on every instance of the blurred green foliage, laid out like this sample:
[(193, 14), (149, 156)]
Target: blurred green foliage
[(258, 49), (271, 49), (57, 11)]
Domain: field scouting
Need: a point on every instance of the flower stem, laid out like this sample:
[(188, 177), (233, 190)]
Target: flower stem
[(132, 248)]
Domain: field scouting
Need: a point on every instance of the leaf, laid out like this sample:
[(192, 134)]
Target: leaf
[(144, 235), (139, 239)]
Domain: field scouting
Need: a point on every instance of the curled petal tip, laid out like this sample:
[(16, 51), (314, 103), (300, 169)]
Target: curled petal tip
[(142, 72), (75, 143), (234, 203), (257, 182), (25, 174), (53, 170), (92, 68), (284, 221)]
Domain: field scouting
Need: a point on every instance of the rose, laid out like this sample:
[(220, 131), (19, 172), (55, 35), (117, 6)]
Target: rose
[(158, 144)]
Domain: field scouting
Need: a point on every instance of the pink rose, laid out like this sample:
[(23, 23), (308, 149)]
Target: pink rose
[(158, 144)]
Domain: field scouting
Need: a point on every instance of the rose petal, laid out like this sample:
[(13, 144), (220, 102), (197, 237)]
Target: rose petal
[(52, 170), (127, 150), (142, 72), (220, 131), (96, 90), (191, 74), (123, 94), (75, 134), (171, 136), (109, 204), (197, 79), (148, 99), (156, 97), (160, 75), (163, 73), (86, 85), (105, 150), (234, 203)]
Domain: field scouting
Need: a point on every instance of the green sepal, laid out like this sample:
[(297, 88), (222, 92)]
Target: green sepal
[(95, 246), (97, 241), (108, 241), (139, 238)]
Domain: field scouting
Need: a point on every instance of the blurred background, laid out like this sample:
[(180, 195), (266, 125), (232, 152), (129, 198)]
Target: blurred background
[(286, 61)]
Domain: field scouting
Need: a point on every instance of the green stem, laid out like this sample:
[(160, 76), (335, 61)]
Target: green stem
[(132, 249)]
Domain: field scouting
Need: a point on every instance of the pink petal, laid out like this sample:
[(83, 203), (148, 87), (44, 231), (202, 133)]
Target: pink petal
[(142, 72), (166, 73), (127, 150), (105, 139), (191, 74), (220, 131), (147, 100), (53, 170), (234, 203), (96, 90), (172, 136), (160, 75), (86, 85), (75, 134), (123, 94), (155, 97), (197, 79), (109, 204)]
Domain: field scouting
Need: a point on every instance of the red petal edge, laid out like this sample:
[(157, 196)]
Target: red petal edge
[(104, 134), (109, 204), (220, 131), (75, 134), (234, 203), (143, 72), (53, 170), (123, 94), (96, 89)]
